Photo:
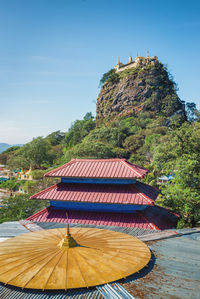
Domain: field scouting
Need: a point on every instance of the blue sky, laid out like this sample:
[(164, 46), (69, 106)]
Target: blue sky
[(53, 54)]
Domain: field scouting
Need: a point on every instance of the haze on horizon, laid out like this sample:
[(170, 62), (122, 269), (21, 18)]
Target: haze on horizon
[(55, 52)]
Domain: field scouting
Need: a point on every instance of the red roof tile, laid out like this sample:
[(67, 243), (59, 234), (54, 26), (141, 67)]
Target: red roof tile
[(136, 194), (99, 168), (107, 219)]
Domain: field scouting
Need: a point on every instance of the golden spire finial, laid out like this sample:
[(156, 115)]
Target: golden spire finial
[(118, 61), (68, 241), (130, 59), (67, 228)]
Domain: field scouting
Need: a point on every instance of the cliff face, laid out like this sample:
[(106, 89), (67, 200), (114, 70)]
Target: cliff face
[(145, 88)]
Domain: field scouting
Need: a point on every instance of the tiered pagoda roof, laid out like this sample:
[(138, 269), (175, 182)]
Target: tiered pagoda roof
[(136, 219), (100, 192), (135, 194)]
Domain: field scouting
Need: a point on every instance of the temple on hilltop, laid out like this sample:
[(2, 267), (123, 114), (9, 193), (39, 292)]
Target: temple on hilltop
[(138, 61), (102, 192)]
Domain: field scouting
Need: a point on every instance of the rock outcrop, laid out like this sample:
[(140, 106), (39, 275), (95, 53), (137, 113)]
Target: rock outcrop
[(139, 89)]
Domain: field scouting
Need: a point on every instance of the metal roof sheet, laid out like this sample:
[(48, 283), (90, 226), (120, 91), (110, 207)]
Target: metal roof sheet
[(175, 273), (99, 168), (97, 218), (136, 194), (161, 217), (10, 292), (133, 231), (11, 229)]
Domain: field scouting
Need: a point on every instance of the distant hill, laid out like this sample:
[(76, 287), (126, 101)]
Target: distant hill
[(140, 86), (5, 146)]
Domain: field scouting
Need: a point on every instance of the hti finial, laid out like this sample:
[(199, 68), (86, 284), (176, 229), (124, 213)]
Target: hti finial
[(68, 241), (147, 53), (67, 228)]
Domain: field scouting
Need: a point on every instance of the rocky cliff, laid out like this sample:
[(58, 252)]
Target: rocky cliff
[(143, 88)]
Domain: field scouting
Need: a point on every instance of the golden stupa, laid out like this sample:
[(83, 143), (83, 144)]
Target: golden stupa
[(56, 259)]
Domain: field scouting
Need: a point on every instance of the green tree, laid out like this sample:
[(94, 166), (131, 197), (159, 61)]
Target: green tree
[(8, 154), (38, 174), (182, 194), (179, 154), (134, 142), (110, 76), (193, 114), (55, 138), (36, 152), (31, 187), (88, 116), (11, 149), (18, 161), (79, 130), (90, 150), (113, 136), (10, 184), (19, 207)]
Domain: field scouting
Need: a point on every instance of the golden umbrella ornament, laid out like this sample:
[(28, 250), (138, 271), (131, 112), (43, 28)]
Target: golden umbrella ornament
[(59, 259)]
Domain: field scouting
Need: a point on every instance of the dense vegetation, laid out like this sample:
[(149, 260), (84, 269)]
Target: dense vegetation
[(19, 207), (165, 145)]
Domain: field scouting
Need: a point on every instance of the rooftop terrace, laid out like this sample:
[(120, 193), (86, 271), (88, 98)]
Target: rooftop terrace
[(174, 270)]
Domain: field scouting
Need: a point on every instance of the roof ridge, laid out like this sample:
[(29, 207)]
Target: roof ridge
[(153, 190), (60, 167), (129, 166), (136, 165), (43, 191), (39, 213), (148, 221), (145, 196), (111, 159)]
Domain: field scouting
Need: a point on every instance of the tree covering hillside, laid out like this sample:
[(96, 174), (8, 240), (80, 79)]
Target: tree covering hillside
[(165, 144), (5, 146)]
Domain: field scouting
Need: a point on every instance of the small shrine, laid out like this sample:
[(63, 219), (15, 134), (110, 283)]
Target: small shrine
[(25, 174), (139, 61)]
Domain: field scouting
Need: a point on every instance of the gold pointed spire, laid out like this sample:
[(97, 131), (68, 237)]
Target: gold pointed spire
[(130, 59), (68, 241)]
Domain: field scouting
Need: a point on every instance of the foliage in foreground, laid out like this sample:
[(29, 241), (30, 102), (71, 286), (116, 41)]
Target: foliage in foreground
[(179, 154), (19, 207)]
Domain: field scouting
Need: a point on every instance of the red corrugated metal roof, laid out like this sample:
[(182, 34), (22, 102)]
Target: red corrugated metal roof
[(107, 219), (99, 168), (161, 217), (136, 194)]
